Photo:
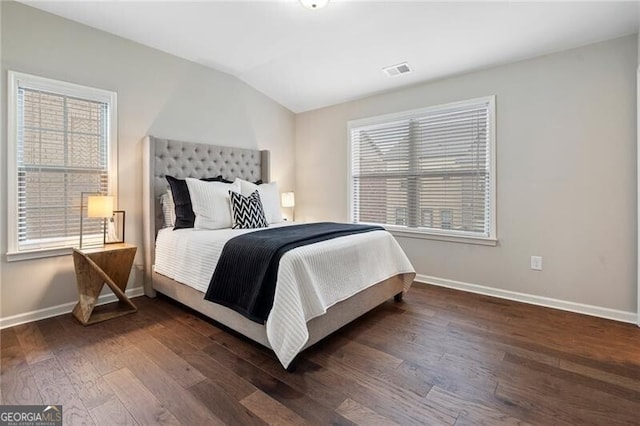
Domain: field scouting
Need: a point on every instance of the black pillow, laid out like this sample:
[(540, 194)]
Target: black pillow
[(182, 200), (223, 180), (247, 211)]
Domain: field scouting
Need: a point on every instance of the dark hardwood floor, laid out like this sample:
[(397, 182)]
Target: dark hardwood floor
[(439, 357)]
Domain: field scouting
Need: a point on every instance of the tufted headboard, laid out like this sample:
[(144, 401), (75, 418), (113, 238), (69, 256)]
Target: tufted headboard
[(163, 157)]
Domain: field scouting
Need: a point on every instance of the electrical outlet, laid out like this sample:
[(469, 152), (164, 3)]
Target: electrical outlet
[(536, 263)]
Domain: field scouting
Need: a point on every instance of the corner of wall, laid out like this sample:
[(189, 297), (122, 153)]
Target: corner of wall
[(3, 179), (638, 171)]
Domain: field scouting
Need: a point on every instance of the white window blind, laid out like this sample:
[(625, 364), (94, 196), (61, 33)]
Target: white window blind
[(61, 148), (427, 170)]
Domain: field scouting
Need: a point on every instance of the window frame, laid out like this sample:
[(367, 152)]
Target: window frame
[(14, 81), (434, 234)]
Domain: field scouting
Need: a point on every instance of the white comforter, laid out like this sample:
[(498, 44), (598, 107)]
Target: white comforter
[(311, 278)]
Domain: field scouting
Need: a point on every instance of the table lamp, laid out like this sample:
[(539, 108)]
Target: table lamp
[(98, 206), (288, 199)]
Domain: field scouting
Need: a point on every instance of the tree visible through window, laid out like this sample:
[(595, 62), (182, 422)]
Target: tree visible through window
[(62, 138), (428, 170)]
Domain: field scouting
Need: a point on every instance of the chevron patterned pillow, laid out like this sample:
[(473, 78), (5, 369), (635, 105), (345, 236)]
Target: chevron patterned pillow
[(247, 211)]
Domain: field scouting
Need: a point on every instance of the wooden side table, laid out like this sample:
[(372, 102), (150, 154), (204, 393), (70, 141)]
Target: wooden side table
[(96, 267)]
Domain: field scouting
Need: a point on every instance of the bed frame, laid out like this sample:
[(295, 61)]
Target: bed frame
[(184, 159)]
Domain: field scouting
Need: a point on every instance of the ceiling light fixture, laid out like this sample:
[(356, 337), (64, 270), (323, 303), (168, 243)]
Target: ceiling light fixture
[(314, 4)]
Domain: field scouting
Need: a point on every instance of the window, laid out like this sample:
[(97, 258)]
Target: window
[(62, 138), (428, 171), (427, 218), (401, 216), (446, 219)]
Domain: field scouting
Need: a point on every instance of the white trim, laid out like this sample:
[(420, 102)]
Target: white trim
[(38, 254), (580, 308), (65, 308), (349, 173), (398, 116), (12, 134), (493, 193), (408, 233)]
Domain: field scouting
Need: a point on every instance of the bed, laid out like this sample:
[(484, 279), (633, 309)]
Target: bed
[(164, 157)]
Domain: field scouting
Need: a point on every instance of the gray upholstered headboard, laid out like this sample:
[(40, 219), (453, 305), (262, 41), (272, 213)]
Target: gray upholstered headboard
[(186, 159)]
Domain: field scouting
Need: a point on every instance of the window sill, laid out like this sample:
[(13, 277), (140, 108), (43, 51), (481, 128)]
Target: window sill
[(37, 254), (441, 237)]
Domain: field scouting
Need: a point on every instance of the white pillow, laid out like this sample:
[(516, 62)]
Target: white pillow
[(269, 195), (210, 203), (168, 209)]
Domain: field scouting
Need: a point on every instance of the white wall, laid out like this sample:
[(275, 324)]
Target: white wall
[(158, 94), (638, 174), (566, 148)]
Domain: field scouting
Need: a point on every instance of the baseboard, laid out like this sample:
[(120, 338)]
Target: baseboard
[(65, 308), (596, 311)]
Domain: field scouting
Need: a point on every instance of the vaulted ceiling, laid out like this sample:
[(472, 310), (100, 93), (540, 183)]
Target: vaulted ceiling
[(307, 59)]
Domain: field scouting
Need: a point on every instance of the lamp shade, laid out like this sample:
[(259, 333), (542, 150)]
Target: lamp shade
[(99, 206), (288, 199)]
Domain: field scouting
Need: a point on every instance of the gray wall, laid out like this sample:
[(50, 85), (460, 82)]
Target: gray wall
[(158, 94), (566, 188)]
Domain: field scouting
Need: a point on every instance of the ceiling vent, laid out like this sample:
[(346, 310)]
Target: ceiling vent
[(398, 69)]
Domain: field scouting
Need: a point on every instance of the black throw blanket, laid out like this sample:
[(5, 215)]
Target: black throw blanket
[(245, 277)]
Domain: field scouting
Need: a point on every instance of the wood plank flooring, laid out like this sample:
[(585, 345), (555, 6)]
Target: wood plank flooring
[(441, 357)]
